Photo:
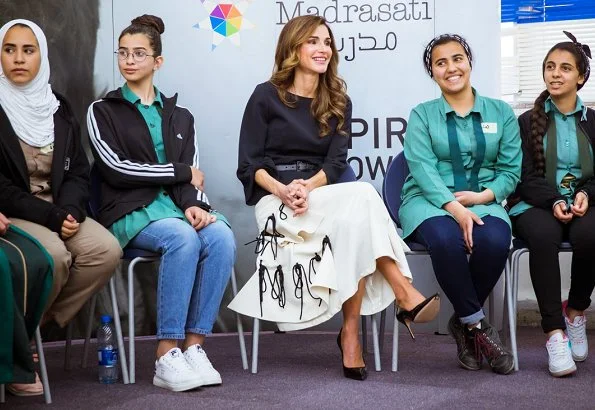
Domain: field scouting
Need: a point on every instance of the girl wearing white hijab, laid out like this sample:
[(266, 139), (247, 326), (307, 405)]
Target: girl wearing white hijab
[(44, 173)]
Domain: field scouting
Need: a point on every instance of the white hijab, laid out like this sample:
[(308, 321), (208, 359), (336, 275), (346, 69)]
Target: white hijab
[(30, 107)]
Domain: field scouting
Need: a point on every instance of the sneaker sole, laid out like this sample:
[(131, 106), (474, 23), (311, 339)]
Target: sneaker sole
[(183, 386), (464, 366), (212, 382), (508, 371), (564, 372), (580, 358)]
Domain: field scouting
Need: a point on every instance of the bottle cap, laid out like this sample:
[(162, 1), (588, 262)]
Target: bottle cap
[(106, 319)]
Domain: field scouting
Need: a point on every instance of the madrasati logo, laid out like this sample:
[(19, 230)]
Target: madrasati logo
[(226, 20)]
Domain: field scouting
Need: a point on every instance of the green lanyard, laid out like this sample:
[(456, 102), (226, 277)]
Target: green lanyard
[(458, 169)]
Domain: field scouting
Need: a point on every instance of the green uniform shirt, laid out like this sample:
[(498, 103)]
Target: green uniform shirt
[(568, 172), (127, 227), (430, 184)]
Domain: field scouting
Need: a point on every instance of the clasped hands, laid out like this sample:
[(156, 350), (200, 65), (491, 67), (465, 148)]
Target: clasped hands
[(465, 217), (294, 195), (565, 214)]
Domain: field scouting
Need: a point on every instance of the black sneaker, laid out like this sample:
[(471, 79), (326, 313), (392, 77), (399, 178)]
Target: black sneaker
[(488, 344), (468, 359)]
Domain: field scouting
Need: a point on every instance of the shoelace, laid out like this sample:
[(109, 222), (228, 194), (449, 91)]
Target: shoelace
[(204, 358), (577, 332), (558, 349), (486, 345), (175, 363)]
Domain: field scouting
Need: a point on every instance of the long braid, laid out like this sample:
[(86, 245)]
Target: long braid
[(538, 130)]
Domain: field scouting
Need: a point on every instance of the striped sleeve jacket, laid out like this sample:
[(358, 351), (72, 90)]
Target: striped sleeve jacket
[(124, 153)]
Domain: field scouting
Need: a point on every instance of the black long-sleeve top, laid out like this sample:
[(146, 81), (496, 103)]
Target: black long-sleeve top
[(534, 189), (69, 174), (274, 134)]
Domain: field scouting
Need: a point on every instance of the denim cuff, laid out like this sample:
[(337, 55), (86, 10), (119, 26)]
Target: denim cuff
[(198, 331), (474, 318), (172, 336)]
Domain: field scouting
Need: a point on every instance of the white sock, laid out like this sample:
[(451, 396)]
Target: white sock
[(478, 325)]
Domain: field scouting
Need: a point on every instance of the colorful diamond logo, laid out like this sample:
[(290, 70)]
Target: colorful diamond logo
[(226, 20)]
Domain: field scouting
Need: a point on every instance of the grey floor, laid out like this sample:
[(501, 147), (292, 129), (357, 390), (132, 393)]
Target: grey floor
[(302, 370)]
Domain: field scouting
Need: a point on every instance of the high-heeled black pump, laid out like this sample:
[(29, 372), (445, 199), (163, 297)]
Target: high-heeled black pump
[(355, 373), (423, 312)]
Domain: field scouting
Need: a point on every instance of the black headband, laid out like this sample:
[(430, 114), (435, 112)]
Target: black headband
[(585, 52), (452, 37)]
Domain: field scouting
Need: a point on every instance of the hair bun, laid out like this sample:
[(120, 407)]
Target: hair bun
[(150, 21)]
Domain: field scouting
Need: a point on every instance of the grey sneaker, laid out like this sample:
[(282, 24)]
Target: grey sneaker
[(468, 358), (488, 344)]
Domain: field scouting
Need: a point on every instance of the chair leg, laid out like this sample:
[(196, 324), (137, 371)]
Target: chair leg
[(511, 296), (67, 349), (234, 290), (492, 308), (87, 345), (255, 334), (395, 355), (43, 369), (364, 334), (116, 311), (382, 328), (376, 344), (131, 352), (2, 394)]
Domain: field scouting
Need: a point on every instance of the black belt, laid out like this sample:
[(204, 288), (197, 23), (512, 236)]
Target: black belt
[(296, 166)]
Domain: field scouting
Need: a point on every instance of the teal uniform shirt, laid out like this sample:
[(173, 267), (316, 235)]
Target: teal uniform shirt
[(127, 227), (568, 172), (430, 184)]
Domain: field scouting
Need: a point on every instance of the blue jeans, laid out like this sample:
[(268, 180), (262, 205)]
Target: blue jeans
[(466, 282), (194, 271)]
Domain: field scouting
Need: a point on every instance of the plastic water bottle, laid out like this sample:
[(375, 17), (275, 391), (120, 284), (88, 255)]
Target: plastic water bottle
[(107, 351)]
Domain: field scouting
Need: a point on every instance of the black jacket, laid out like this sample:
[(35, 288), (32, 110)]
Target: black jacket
[(69, 174), (534, 189), (123, 149)]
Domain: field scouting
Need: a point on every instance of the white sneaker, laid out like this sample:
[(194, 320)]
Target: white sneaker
[(173, 372), (198, 360), (559, 355), (577, 333)]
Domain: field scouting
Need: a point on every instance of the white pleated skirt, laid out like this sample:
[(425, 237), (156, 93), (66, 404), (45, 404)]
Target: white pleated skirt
[(308, 266)]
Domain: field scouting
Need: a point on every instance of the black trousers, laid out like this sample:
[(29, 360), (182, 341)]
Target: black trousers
[(544, 234)]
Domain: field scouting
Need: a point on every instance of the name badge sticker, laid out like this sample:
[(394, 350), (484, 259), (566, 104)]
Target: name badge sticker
[(489, 127)]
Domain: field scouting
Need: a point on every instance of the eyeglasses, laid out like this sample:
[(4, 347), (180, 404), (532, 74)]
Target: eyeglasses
[(138, 55)]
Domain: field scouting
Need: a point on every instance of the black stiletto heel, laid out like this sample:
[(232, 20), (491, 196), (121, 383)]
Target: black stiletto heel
[(423, 312), (355, 373)]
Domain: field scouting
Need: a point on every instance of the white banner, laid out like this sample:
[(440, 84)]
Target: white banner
[(216, 52)]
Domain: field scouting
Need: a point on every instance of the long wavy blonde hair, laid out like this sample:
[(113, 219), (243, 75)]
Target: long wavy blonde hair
[(331, 98)]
